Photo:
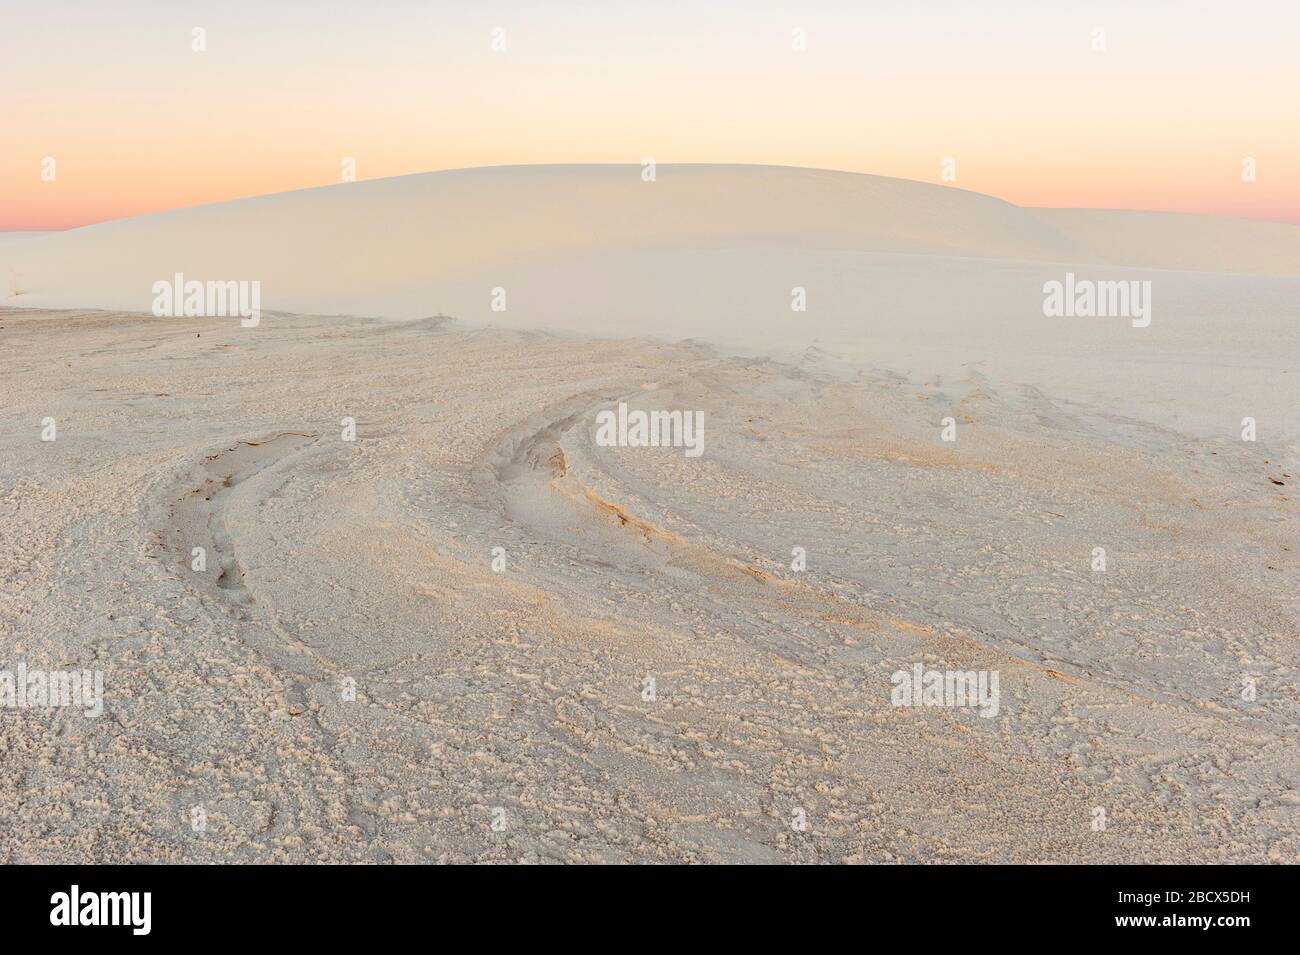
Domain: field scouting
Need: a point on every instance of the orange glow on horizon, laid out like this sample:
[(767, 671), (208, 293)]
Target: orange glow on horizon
[(137, 121)]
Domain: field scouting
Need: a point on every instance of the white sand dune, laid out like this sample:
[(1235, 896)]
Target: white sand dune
[(918, 278), (1175, 240), (403, 635), (393, 245), (397, 247), (8, 237)]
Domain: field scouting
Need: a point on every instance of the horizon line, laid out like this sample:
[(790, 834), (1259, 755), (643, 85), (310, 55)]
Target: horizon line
[(635, 165)]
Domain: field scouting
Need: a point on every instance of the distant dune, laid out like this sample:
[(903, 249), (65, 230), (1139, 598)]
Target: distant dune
[(927, 280), (394, 245), (1177, 240)]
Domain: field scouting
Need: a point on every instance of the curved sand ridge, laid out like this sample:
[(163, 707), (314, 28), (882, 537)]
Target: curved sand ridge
[(522, 689)]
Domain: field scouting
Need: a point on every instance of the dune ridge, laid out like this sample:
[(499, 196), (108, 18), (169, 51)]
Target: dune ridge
[(387, 246)]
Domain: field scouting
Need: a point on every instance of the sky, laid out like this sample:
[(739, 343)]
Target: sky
[(107, 110)]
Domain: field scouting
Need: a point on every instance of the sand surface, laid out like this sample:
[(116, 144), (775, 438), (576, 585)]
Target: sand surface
[(502, 714)]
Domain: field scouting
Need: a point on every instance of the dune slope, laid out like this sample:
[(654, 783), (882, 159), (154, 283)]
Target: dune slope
[(923, 280)]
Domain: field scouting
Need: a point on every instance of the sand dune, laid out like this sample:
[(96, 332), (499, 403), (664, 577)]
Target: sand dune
[(392, 246), (1173, 240), (918, 278), (431, 596)]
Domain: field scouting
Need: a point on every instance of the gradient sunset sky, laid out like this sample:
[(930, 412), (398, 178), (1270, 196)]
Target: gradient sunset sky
[(1013, 91)]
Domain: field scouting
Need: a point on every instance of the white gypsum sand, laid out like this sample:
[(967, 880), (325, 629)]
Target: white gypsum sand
[(520, 695)]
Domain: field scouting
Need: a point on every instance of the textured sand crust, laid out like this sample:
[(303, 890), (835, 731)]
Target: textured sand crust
[(517, 696)]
